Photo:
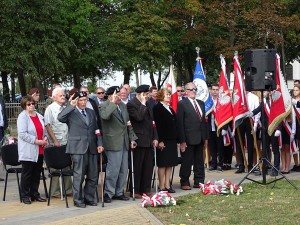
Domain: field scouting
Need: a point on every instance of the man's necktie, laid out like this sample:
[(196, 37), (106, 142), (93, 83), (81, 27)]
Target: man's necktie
[(83, 113), (268, 102), (197, 110)]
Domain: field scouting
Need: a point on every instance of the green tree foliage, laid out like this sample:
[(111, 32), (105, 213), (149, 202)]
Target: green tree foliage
[(72, 40)]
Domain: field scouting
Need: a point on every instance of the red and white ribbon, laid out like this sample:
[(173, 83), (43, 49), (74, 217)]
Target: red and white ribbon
[(98, 133)]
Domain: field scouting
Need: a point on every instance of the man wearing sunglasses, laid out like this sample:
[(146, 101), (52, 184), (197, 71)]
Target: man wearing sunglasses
[(180, 92), (100, 94), (193, 133)]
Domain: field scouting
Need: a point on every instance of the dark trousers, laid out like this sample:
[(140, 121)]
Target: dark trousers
[(143, 168), (193, 154), (85, 167), (228, 152), (30, 177), (245, 129), (275, 148), (216, 147)]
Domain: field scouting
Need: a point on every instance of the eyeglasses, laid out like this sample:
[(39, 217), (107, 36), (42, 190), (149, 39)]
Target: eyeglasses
[(31, 103), (192, 89), (100, 93), (180, 90)]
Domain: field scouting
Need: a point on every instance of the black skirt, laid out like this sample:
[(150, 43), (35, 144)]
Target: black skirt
[(167, 157)]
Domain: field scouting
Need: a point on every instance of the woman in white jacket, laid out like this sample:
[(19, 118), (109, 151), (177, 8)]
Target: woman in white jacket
[(31, 142)]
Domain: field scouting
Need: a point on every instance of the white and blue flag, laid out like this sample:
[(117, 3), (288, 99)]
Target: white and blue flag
[(203, 93)]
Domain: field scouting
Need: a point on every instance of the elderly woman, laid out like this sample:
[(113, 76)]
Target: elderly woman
[(31, 142), (167, 156)]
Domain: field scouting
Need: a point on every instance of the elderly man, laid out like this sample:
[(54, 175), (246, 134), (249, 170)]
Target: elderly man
[(84, 144), (193, 132), (100, 94), (57, 134), (141, 118), (91, 104), (124, 95), (117, 132)]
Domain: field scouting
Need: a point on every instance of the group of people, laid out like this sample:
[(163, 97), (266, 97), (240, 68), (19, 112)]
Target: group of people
[(280, 146), (113, 123)]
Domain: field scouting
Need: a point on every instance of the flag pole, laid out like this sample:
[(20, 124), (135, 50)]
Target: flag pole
[(206, 148), (242, 148), (258, 153)]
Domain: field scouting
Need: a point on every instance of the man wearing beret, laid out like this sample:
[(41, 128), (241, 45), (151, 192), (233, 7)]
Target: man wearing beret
[(141, 118), (84, 144), (117, 132)]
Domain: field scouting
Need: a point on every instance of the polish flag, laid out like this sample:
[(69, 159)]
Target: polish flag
[(239, 104), (223, 109), (281, 105), (171, 85)]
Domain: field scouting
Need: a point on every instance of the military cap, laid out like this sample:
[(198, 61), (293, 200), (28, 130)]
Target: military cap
[(142, 88), (112, 89), (79, 94)]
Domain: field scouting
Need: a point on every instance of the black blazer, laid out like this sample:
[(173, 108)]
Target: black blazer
[(97, 113), (190, 129), (141, 118), (165, 123)]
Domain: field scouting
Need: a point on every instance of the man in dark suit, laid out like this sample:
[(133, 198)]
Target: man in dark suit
[(91, 104), (141, 118), (117, 133), (193, 133), (84, 144)]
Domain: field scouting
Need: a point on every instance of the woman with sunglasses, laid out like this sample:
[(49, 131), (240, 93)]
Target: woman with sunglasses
[(31, 142)]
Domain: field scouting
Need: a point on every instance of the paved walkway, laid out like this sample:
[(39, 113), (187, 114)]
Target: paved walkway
[(12, 212)]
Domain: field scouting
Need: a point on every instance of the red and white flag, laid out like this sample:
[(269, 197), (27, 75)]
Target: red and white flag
[(239, 98), (171, 85), (223, 109), (281, 105)]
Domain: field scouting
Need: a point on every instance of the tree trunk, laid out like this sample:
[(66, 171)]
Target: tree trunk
[(13, 86), (136, 72), (5, 86), (76, 79), (152, 79), (22, 84), (127, 73)]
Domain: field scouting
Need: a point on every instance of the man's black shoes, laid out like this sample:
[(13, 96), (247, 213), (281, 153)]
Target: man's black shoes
[(121, 197), (79, 205), (107, 199)]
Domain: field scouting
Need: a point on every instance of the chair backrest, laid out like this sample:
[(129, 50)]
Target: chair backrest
[(56, 157), (10, 155)]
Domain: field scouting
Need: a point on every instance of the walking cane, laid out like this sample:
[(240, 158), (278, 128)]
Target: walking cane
[(101, 179), (132, 175), (155, 169)]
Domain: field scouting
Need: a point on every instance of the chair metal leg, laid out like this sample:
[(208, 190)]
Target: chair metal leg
[(45, 186), (64, 189), (50, 190), (19, 186), (5, 186)]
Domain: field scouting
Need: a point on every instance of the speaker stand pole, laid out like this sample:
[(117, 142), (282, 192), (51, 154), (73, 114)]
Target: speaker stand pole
[(264, 160)]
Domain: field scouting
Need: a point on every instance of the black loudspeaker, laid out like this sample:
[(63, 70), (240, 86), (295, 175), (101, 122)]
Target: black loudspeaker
[(260, 66)]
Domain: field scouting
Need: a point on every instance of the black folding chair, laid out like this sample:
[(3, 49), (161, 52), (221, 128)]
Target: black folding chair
[(10, 161), (57, 158)]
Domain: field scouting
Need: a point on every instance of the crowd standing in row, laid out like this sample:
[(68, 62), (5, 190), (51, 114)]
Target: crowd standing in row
[(113, 123)]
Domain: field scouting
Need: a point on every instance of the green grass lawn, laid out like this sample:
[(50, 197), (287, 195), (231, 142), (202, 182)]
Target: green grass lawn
[(258, 204)]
